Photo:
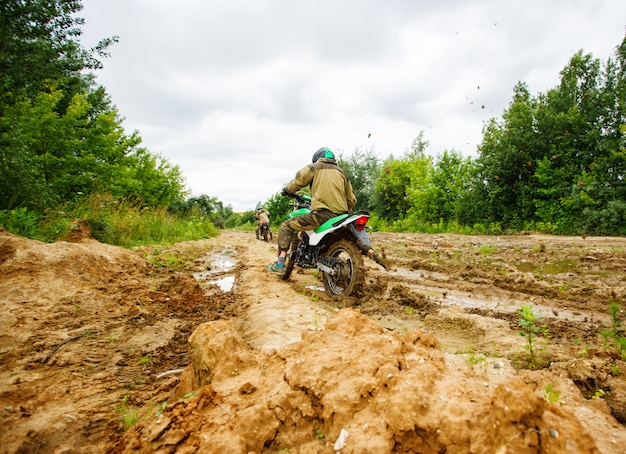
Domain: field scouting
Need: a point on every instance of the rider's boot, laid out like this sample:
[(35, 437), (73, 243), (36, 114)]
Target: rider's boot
[(277, 267)]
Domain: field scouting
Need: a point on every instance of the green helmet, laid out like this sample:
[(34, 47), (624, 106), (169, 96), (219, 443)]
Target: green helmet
[(323, 153)]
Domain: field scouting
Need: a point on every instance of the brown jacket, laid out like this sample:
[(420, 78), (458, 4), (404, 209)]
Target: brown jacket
[(330, 187), (262, 216)]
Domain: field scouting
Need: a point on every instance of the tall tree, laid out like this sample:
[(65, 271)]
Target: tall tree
[(581, 180), (400, 181), (362, 167), (507, 161), (60, 136), (278, 207), (39, 43), (449, 184), (556, 158)]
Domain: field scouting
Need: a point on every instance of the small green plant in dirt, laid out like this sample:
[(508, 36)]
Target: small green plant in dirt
[(144, 360), (319, 434), (135, 382), (477, 358), (613, 336), (614, 370), (487, 250), (316, 320), (530, 328), (584, 352), (539, 248), (409, 310), (551, 394), (129, 415), (189, 395), (161, 408), (171, 259), (310, 290), (599, 394), (474, 358)]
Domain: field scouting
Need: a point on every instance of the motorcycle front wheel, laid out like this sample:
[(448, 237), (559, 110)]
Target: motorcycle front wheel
[(289, 260), (349, 275)]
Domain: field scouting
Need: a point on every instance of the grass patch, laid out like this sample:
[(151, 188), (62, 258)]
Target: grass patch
[(487, 250), (129, 415), (125, 223)]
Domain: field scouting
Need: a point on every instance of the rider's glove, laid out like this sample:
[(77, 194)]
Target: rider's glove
[(285, 193)]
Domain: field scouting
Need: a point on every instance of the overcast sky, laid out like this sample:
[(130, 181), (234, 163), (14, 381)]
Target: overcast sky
[(240, 93)]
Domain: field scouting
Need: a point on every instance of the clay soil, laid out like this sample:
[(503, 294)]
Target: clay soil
[(195, 347)]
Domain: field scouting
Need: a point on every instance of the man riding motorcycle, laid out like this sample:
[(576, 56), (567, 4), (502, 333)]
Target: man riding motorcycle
[(262, 216), (331, 193)]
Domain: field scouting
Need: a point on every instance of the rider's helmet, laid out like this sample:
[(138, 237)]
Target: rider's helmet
[(259, 207), (323, 153)]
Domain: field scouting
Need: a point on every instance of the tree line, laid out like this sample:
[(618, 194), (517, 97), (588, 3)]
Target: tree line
[(555, 162), (61, 137)]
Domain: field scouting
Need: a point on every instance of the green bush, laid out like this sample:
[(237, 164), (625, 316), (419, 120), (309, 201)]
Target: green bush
[(21, 221)]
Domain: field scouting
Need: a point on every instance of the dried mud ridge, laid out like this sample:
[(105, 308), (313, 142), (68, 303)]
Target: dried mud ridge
[(427, 359)]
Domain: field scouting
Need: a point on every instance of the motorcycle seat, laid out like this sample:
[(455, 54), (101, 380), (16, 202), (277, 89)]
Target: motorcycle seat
[(331, 223)]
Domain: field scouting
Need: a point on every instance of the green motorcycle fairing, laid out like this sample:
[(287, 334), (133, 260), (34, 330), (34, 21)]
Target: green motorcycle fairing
[(299, 212), (330, 223), (325, 226)]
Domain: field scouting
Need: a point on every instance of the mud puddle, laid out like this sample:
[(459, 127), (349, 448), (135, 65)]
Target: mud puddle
[(447, 297), (220, 270)]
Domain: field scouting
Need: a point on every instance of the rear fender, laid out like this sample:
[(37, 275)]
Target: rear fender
[(347, 227)]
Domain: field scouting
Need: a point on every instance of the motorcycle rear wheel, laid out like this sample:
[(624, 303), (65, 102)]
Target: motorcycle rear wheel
[(351, 278)]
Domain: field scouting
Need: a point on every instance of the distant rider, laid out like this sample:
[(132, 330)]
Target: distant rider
[(261, 215), (331, 194)]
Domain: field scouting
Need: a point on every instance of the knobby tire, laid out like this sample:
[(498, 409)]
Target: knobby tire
[(347, 251)]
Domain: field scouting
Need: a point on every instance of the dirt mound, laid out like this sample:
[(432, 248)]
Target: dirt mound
[(384, 392), (83, 326)]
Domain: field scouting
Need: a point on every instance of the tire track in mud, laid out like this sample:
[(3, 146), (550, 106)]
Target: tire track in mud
[(274, 312)]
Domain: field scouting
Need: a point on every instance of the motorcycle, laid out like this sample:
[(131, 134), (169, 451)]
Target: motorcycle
[(265, 232), (336, 249)]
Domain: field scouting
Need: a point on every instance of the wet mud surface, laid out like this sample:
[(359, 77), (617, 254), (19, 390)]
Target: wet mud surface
[(94, 339)]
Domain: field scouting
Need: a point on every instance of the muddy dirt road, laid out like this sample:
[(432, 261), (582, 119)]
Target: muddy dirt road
[(105, 350)]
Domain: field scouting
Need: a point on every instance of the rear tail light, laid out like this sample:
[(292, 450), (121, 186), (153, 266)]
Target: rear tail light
[(360, 222)]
